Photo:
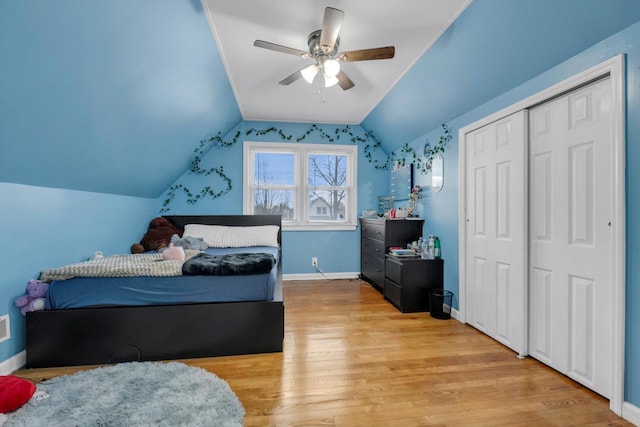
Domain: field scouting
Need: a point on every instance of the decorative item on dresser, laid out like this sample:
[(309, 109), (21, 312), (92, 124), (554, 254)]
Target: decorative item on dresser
[(377, 235), (409, 282)]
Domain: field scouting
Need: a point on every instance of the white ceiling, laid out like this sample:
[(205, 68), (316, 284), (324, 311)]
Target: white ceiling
[(412, 26)]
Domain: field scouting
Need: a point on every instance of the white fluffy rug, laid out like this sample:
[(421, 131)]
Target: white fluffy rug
[(133, 394)]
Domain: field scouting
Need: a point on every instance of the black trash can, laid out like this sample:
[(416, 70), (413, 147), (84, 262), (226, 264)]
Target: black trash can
[(440, 301)]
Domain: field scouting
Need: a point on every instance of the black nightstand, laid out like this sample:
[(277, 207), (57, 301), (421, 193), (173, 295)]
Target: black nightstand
[(409, 281)]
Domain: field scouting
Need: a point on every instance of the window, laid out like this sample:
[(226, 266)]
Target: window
[(313, 186)]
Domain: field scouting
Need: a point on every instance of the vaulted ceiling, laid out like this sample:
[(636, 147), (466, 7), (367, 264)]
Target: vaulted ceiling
[(113, 96), (408, 25)]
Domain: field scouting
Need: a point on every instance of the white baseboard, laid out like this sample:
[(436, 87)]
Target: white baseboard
[(14, 363), (631, 413), (319, 276)]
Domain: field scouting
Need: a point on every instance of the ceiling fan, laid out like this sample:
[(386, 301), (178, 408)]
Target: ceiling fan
[(323, 47)]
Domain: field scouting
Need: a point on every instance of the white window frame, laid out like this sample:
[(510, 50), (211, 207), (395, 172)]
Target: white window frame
[(301, 153)]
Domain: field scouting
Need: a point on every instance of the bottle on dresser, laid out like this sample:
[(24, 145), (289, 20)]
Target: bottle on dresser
[(431, 247)]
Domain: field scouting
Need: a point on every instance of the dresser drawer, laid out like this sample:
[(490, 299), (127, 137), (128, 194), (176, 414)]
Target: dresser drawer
[(373, 229), (393, 270), (393, 293), (373, 269), (374, 248)]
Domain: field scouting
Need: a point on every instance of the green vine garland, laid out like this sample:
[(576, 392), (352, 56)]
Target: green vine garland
[(423, 162), (372, 144)]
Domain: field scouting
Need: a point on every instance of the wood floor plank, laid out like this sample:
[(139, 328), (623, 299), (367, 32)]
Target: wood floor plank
[(351, 359)]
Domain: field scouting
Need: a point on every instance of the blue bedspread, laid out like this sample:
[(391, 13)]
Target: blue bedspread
[(132, 291)]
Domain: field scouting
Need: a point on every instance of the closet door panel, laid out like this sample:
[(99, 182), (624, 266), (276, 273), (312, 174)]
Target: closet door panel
[(496, 202), (570, 234)]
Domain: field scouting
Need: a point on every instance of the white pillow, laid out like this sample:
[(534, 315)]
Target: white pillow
[(221, 236)]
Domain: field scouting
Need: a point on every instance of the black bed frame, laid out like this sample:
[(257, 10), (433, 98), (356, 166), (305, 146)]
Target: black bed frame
[(94, 336)]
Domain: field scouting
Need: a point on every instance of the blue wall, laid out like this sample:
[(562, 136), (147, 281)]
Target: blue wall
[(46, 228), (493, 46), (441, 209), (337, 251), (90, 86)]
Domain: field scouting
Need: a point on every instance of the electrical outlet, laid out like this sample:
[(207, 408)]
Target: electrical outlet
[(5, 329), (314, 262)]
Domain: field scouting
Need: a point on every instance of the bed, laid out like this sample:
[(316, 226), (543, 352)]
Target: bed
[(125, 328)]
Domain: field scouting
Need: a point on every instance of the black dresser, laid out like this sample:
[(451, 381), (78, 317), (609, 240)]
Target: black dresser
[(376, 236)]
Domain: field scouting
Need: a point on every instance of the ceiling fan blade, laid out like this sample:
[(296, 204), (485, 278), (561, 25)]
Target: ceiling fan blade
[(387, 52), (290, 79), (330, 28), (344, 81), (279, 48)]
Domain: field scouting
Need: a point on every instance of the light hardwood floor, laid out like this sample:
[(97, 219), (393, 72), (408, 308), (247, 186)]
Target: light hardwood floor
[(352, 359)]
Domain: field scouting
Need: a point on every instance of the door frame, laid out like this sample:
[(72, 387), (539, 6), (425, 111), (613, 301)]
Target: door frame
[(614, 69)]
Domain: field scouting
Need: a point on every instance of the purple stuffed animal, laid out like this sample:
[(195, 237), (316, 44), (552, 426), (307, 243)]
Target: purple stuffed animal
[(33, 300)]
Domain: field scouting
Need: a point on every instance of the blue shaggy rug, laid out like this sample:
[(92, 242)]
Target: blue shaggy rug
[(133, 394)]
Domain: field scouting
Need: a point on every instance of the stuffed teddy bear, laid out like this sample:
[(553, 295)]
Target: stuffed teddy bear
[(158, 236), (189, 242), (33, 300)]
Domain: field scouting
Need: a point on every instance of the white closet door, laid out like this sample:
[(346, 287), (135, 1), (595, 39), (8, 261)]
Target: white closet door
[(570, 235), (495, 229)]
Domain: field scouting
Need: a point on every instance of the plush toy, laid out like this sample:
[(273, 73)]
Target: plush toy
[(189, 242), (33, 300), (14, 392), (173, 252), (158, 236)]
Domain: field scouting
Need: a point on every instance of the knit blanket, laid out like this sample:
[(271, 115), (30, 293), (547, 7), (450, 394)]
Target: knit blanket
[(125, 265), (229, 265)]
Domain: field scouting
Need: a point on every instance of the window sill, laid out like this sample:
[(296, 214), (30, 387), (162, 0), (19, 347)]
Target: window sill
[(318, 227)]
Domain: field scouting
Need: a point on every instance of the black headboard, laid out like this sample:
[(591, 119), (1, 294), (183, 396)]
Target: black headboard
[(230, 220)]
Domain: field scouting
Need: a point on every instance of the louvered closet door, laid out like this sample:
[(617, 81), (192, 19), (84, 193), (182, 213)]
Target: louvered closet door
[(570, 235), (495, 230)]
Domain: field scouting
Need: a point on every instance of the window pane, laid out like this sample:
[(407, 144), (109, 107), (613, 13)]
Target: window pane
[(274, 202), (312, 186), (328, 205), (273, 169), (327, 170)]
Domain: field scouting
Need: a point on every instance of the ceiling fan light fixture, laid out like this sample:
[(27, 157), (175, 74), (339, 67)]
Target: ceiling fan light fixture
[(309, 73), (324, 49), (330, 80), (331, 67)]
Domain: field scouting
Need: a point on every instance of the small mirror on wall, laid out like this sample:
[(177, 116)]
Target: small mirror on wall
[(437, 172), (401, 181)]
